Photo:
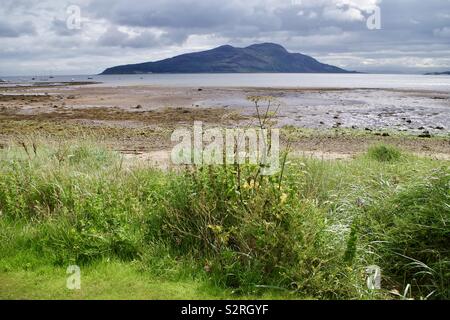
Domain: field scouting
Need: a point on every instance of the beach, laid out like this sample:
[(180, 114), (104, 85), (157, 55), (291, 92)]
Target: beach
[(139, 119)]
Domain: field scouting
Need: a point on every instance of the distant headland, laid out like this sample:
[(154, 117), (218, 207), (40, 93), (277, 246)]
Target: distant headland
[(257, 58)]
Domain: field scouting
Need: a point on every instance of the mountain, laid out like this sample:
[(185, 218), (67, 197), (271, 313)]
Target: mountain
[(438, 73), (265, 57)]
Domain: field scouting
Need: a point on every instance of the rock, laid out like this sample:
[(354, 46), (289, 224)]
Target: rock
[(368, 129), (360, 202), (321, 122), (439, 128), (421, 128), (199, 89), (425, 134), (408, 121), (385, 134), (138, 107), (354, 127)]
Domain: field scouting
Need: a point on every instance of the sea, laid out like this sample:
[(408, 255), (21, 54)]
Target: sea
[(278, 80)]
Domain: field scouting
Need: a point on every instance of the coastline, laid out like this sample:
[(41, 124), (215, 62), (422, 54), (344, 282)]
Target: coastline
[(325, 122)]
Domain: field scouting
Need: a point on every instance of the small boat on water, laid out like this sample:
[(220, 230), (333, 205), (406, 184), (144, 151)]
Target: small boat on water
[(90, 78), (2, 81)]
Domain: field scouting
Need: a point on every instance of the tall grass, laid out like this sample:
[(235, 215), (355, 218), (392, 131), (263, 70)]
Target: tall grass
[(310, 234), (383, 153), (411, 232)]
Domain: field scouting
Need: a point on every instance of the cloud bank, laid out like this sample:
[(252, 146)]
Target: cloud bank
[(35, 38)]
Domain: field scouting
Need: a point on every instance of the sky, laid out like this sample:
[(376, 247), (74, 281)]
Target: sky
[(55, 37)]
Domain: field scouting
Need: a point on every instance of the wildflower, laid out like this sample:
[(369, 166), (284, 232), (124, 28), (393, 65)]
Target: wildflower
[(283, 198), (251, 185)]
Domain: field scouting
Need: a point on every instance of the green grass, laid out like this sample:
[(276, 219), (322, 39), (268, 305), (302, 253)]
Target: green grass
[(221, 232), (101, 280), (384, 153)]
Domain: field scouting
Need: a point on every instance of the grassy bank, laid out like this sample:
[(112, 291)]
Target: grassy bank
[(222, 232)]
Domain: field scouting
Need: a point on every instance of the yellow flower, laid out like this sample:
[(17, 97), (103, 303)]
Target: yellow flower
[(283, 198), (251, 185)]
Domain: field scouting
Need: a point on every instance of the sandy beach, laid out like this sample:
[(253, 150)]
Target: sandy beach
[(326, 122)]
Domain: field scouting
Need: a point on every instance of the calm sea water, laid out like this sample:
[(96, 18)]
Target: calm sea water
[(440, 83)]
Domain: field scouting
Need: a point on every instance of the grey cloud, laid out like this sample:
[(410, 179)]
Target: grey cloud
[(14, 30), (159, 13), (442, 32), (145, 39), (59, 27), (142, 30)]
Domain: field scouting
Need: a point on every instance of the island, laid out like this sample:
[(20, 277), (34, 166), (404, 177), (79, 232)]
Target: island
[(257, 58)]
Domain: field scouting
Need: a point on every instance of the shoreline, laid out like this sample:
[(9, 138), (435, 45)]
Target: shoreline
[(338, 122)]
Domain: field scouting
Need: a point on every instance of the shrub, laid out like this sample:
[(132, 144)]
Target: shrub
[(249, 232), (384, 153)]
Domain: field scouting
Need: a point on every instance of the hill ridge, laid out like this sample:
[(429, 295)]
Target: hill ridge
[(256, 58)]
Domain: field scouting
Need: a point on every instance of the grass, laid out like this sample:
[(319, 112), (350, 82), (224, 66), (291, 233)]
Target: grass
[(101, 280), (384, 153), (221, 232)]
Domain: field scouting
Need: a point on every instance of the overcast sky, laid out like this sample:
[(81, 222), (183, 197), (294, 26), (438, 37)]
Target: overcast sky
[(35, 38)]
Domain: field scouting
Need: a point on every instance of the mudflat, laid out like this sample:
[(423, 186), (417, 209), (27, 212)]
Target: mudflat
[(329, 123)]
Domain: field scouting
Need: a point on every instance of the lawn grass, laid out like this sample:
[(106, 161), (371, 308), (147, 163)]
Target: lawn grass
[(101, 280), (221, 232), (111, 280)]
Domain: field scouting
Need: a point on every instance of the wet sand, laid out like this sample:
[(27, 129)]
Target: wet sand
[(372, 114)]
